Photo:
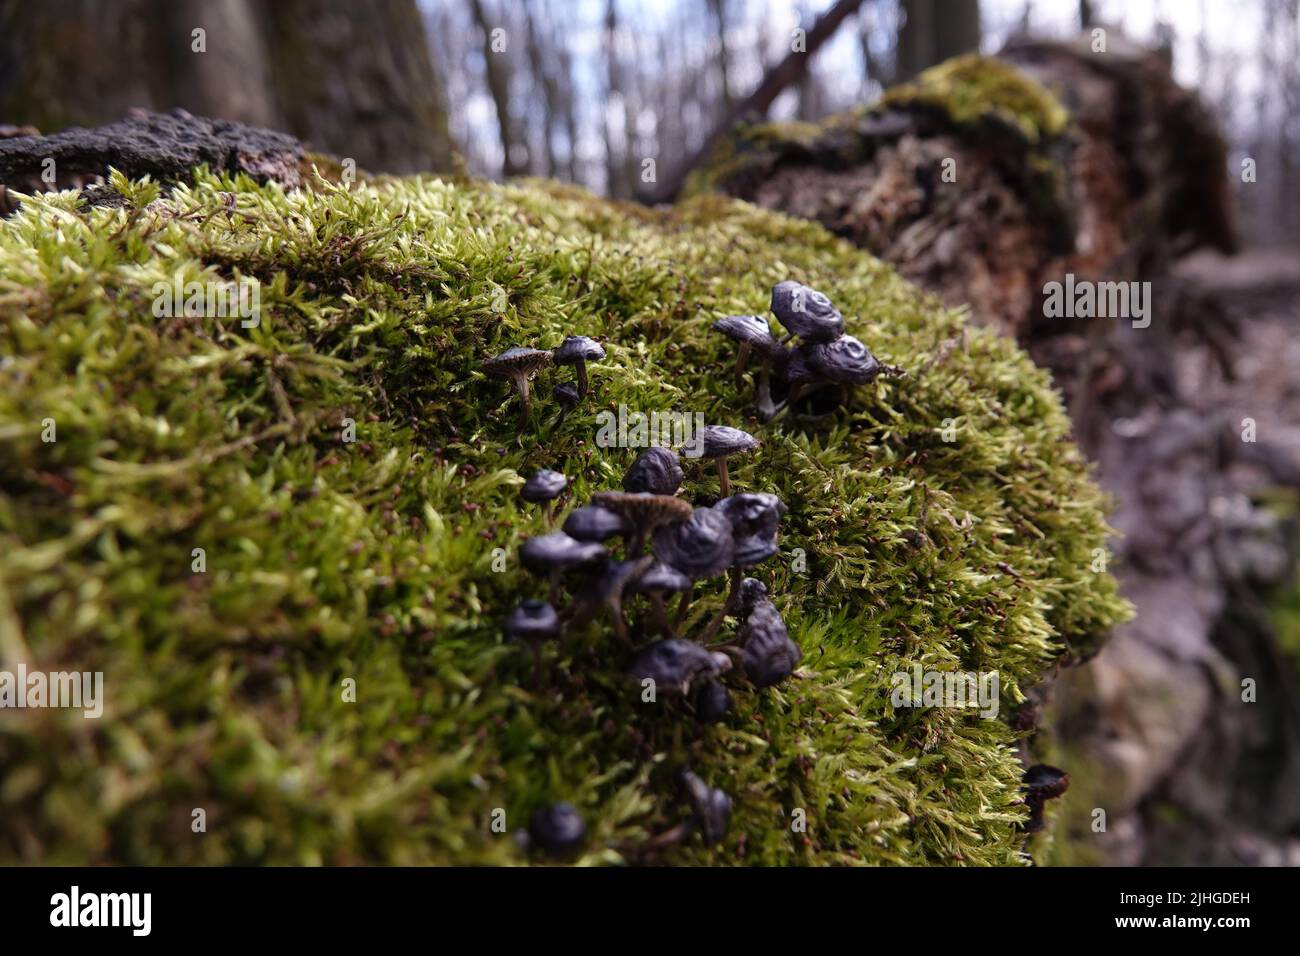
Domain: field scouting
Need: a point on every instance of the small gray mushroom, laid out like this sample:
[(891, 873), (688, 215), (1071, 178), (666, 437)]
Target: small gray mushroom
[(768, 655), (751, 333), (518, 365), (710, 807), (675, 665), (558, 829), (551, 555), (644, 512), (699, 547), (594, 523), (533, 622), (805, 312), (659, 581), (566, 396), (579, 350), (720, 442), (656, 471), (543, 488)]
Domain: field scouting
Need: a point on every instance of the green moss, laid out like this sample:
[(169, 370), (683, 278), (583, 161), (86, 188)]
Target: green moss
[(974, 90), (373, 560)]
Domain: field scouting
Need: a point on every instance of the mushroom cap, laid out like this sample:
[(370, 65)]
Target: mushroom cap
[(557, 551), (712, 701), (711, 807), (1043, 782), (642, 509), (752, 592), (515, 362), (656, 471), (723, 440), (769, 656), (675, 664), (753, 513), (578, 348), (557, 828), (544, 485), (752, 329), (699, 547), (566, 395), (594, 523), (754, 549), (846, 361), (533, 621), (806, 312), (661, 578)]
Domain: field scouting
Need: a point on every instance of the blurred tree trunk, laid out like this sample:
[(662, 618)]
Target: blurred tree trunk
[(497, 68), (355, 80), (933, 31)]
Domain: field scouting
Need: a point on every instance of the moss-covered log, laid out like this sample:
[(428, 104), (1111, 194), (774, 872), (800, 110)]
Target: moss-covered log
[(326, 561)]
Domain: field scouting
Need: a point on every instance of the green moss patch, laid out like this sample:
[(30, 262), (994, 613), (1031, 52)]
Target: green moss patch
[(372, 561)]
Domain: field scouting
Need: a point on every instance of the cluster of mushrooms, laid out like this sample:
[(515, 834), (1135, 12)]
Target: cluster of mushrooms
[(827, 362), (520, 365), (686, 545)]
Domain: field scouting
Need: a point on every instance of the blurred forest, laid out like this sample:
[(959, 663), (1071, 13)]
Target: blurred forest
[(588, 90)]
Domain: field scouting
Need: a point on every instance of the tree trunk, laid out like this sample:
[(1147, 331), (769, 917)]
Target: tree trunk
[(354, 80), (933, 31)]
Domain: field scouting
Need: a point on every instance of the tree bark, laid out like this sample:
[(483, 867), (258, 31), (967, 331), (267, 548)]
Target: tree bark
[(351, 79)]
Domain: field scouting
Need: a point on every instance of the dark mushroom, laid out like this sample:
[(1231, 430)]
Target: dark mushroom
[(558, 829), (711, 807), (699, 547), (753, 513), (754, 519), (551, 555), (656, 471), (643, 511), (1041, 783), (752, 591), (544, 487), (845, 361), (675, 665), (659, 581), (533, 622), (594, 523), (751, 333), (579, 350), (768, 655), (566, 396), (518, 365), (805, 312), (605, 590), (720, 442), (712, 701)]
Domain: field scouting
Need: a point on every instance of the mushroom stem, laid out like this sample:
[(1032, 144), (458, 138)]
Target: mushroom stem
[(723, 477), (726, 608), (742, 357), (684, 605), (620, 624), (670, 837), (537, 662), (553, 592), (660, 615), (548, 512), (582, 378), (522, 383)]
